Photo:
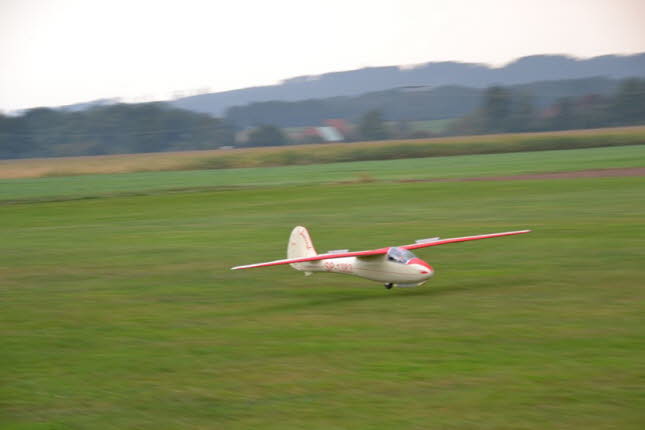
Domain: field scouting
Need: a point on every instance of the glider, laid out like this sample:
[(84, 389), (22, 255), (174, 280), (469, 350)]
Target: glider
[(395, 266)]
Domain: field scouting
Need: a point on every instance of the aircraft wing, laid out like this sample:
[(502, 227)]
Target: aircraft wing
[(315, 258), (435, 242), (379, 251)]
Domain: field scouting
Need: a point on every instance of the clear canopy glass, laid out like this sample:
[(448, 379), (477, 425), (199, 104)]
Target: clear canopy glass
[(400, 255)]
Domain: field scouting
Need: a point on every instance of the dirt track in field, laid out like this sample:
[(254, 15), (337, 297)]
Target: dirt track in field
[(593, 173)]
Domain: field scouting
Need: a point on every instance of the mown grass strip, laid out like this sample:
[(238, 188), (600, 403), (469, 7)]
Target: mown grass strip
[(467, 166)]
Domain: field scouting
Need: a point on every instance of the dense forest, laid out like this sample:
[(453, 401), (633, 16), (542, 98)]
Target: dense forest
[(119, 128)]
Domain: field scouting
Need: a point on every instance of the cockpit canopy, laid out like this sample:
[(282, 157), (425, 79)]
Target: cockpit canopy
[(399, 255)]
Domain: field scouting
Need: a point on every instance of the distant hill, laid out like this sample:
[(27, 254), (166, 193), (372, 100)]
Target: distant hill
[(78, 107), (407, 103), (354, 82)]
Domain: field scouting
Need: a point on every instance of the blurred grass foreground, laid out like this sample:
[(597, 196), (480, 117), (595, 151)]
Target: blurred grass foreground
[(118, 308)]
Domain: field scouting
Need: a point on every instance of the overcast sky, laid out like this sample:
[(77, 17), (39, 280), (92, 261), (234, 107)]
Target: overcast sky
[(56, 52)]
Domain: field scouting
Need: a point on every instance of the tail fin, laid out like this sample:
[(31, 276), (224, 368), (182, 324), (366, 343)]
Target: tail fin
[(300, 245)]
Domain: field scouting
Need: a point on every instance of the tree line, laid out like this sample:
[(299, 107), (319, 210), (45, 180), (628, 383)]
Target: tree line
[(119, 128), (154, 127), (514, 110), (503, 109)]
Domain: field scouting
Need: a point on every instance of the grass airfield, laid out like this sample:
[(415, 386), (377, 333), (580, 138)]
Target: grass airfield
[(434, 168), (120, 311)]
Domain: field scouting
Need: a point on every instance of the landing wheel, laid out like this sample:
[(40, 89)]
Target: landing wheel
[(389, 285)]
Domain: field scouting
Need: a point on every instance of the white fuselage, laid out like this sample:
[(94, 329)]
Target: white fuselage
[(376, 268)]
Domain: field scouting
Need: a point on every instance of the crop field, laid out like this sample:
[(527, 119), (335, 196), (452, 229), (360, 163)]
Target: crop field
[(322, 153), (119, 311)]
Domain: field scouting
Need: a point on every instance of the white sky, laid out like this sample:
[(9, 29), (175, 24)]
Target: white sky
[(56, 52)]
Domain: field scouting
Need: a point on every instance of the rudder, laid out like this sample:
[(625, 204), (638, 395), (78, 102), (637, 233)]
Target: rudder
[(300, 245)]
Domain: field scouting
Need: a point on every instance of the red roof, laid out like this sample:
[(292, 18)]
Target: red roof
[(339, 124)]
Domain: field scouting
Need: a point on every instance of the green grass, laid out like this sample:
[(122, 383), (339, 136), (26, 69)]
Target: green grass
[(365, 171), (121, 312)]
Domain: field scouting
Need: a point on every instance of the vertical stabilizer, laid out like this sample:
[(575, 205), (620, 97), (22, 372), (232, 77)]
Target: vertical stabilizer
[(300, 245)]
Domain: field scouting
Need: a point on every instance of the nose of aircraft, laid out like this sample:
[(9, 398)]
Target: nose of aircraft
[(423, 267)]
